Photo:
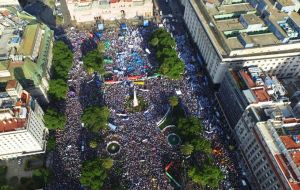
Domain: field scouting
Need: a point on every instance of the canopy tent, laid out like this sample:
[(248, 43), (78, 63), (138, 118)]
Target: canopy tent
[(146, 23), (100, 26), (123, 26)]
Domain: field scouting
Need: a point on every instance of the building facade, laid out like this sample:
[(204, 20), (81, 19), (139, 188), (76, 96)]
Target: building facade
[(242, 33), (264, 125), (25, 52), (22, 129), (94, 10), (268, 138)]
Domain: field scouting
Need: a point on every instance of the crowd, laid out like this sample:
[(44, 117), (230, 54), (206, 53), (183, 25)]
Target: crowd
[(198, 100), (144, 149), (125, 53), (68, 157)]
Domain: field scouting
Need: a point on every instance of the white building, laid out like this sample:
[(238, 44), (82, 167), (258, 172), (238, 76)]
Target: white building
[(264, 125), (22, 129), (240, 33), (7, 3), (269, 140), (93, 10)]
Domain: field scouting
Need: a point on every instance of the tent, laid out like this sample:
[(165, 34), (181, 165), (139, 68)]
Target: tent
[(100, 26), (146, 23), (123, 26)]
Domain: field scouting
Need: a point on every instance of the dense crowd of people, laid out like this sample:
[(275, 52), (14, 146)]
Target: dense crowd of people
[(144, 148), (67, 158), (125, 53)]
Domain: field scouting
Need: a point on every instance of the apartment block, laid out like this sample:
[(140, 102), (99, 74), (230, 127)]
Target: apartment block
[(22, 129), (239, 33), (268, 138)]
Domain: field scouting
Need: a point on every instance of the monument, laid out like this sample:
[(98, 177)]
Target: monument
[(135, 100)]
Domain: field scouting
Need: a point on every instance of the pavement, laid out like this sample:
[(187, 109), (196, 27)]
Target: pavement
[(15, 169)]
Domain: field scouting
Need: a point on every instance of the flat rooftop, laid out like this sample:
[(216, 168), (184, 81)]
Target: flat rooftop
[(223, 23), (293, 151), (258, 86)]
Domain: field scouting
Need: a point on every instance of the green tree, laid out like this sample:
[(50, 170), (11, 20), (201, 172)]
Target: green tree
[(93, 144), (51, 143), (209, 175), (107, 163), (93, 174), (95, 118), (58, 89), (54, 119), (41, 176), (187, 149), (62, 60), (94, 60), (188, 128), (154, 42), (6, 187), (101, 47), (164, 44), (201, 144), (173, 101), (3, 170)]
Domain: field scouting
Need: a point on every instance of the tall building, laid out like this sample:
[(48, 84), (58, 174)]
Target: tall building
[(22, 129), (264, 125), (238, 33), (248, 86), (93, 10), (269, 140), (25, 52)]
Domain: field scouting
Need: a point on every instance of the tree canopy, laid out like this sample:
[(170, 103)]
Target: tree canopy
[(6, 187), (3, 170), (189, 128), (94, 172), (95, 118), (164, 44), (209, 175), (62, 60), (41, 176), (54, 119), (94, 60), (187, 149), (61, 64), (173, 101), (58, 89)]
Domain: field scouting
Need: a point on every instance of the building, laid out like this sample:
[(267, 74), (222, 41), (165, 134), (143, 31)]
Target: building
[(268, 137), (25, 52), (94, 10), (22, 129), (237, 33), (264, 125), (8, 3), (248, 86)]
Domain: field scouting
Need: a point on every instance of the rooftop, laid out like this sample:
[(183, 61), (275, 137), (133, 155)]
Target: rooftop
[(11, 84), (14, 107), (29, 36), (252, 19), (291, 143), (258, 86), (270, 131), (222, 22)]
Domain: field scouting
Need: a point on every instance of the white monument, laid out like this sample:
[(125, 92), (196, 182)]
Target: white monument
[(135, 100)]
